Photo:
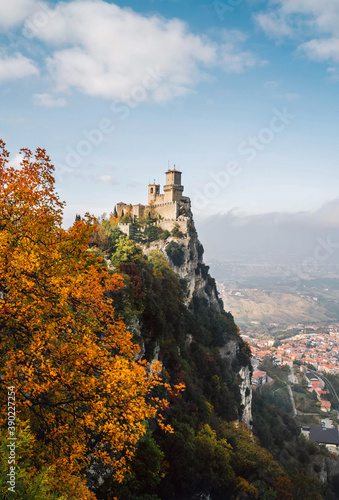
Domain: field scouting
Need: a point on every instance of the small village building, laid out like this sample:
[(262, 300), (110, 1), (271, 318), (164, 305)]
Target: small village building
[(325, 406), (322, 435), (259, 378)]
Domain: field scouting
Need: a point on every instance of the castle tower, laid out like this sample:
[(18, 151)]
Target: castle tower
[(173, 189), (121, 209), (153, 192)]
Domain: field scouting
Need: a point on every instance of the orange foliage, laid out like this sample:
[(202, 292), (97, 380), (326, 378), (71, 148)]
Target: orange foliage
[(283, 487), (72, 362)]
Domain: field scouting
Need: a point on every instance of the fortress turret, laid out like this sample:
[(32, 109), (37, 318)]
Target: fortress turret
[(173, 189), (153, 192)]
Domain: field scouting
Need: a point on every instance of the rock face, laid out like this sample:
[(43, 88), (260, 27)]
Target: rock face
[(323, 468), (200, 284), (246, 395), (192, 270), (229, 351)]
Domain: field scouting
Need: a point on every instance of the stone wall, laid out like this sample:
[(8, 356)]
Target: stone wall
[(168, 210), (121, 208), (125, 227), (170, 223), (138, 210)]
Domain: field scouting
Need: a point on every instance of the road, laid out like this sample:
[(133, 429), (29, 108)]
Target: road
[(328, 385), (295, 413)]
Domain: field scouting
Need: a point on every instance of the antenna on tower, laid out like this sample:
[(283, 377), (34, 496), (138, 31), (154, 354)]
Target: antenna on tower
[(168, 164)]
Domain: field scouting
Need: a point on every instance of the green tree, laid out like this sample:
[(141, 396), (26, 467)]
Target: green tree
[(151, 232), (164, 235), (176, 253), (30, 483), (176, 231)]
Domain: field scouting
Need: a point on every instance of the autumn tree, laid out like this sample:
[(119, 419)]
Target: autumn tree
[(30, 483), (72, 362)]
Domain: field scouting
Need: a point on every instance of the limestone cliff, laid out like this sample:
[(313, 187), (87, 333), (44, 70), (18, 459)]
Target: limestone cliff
[(324, 468), (192, 270), (199, 284)]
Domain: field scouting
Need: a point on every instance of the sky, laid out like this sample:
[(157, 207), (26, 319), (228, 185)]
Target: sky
[(242, 96)]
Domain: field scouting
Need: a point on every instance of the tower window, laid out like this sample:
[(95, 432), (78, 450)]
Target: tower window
[(151, 190)]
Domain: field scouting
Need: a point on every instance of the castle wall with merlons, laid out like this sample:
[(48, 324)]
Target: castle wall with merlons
[(168, 210), (169, 224), (125, 227)]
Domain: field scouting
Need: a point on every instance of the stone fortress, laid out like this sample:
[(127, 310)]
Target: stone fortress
[(170, 206)]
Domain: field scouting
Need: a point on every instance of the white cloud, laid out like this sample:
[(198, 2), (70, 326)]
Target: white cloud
[(303, 19), (49, 101), (278, 237), (273, 25), (106, 179), (16, 161), (234, 62), (334, 73), (322, 15), (323, 49), (273, 86), (232, 58), (15, 67), (15, 12), (103, 50)]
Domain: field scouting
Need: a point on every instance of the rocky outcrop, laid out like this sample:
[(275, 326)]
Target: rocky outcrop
[(200, 284), (230, 352), (246, 395), (323, 468), (192, 270)]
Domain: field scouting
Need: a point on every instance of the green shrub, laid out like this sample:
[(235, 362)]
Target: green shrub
[(151, 233), (176, 231), (165, 234), (176, 253), (30, 483), (200, 250)]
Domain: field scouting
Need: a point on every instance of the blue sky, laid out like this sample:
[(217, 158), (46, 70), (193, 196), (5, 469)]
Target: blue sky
[(241, 96)]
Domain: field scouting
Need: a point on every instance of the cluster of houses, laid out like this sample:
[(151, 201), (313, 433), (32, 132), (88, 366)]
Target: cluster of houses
[(321, 350), (317, 385), (314, 384)]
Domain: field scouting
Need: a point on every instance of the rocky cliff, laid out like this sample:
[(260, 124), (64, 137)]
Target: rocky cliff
[(189, 266)]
